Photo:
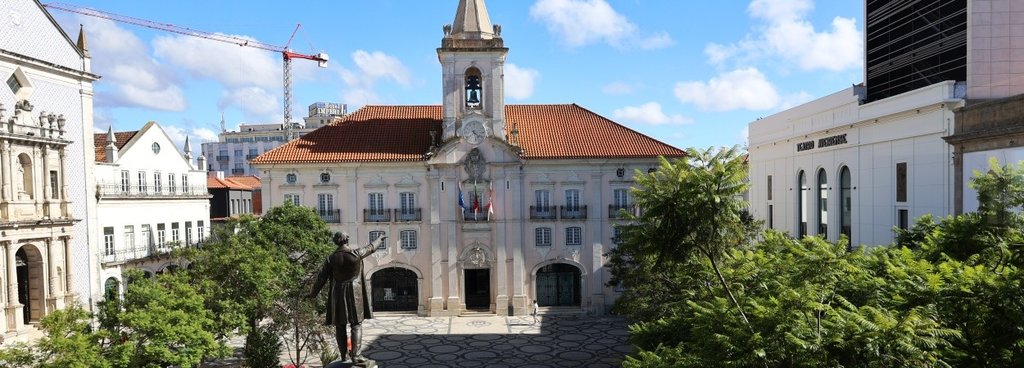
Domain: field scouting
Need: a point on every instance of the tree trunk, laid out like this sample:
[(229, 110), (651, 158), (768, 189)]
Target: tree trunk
[(721, 279)]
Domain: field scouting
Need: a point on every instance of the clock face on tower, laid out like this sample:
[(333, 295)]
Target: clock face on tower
[(474, 132)]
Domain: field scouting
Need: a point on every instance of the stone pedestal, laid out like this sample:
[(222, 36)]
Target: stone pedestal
[(339, 364), (454, 306), (501, 305), (520, 305), (435, 307)]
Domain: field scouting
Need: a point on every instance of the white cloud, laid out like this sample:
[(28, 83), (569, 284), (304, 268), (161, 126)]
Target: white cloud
[(231, 65), (794, 100), (370, 68), (745, 136), (256, 103), (649, 113), (519, 81), (785, 32), (739, 89), (205, 134), (197, 136), (131, 78), (618, 88), (583, 22)]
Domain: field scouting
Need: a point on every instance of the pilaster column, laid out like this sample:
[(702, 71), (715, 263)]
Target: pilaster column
[(45, 153), (54, 279), (69, 285), (64, 213), (12, 276), (5, 162)]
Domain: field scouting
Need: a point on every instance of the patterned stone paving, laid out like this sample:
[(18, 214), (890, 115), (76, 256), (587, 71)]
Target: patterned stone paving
[(554, 341)]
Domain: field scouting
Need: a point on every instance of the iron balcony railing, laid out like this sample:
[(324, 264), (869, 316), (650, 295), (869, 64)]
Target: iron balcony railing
[(543, 212), (136, 253), (330, 216), (409, 214), (133, 191), (614, 210), (376, 215), (250, 157), (573, 212), (237, 171), (473, 216), (223, 157)]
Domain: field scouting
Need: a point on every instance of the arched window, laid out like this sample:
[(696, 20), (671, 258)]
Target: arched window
[(846, 207), (801, 203), (822, 204), (474, 88)]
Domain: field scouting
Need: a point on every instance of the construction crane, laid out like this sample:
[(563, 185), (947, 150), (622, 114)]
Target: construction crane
[(286, 54)]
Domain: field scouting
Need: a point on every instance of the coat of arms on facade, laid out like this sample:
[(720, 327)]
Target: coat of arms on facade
[(475, 165)]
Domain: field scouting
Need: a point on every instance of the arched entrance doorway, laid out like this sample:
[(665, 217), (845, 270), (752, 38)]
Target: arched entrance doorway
[(558, 285), (29, 264), (394, 289), (111, 289)]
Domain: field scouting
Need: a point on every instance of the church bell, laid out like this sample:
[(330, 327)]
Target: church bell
[(473, 97)]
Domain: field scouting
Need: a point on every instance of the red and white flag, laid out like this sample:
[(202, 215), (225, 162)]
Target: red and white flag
[(490, 201)]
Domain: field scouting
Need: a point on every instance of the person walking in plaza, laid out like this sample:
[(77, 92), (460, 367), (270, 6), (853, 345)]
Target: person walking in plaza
[(535, 311)]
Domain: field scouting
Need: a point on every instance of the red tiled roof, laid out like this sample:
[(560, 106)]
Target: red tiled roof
[(246, 180), (100, 142), (402, 133), (226, 183)]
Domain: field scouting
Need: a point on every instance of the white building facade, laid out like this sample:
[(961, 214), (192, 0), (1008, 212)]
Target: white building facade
[(486, 206), (46, 123), (150, 198), (836, 166)]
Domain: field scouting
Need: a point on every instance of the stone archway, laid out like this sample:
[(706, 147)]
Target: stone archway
[(395, 289), (559, 285), (111, 289), (29, 263)]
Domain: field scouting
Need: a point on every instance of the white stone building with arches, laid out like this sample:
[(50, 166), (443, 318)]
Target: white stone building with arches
[(487, 206), (46, 123)]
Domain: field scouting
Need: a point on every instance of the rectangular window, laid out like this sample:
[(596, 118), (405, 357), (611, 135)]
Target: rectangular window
[(293, 198), (126, 181), (234, 207), (375, 205), (572, 200), (901, 182), (769, 187), (325, 203), (129, 237), (184, 184), (142, 182), (188, 232), (174, 233), (170, 184), (108, 240), (253, 152), (146, 233), (617, 235), (157, 182), (543, 200), (161, 236), (771, 217), (408, 201), (542, 236), (377, 234), (621, 198), (903, 218), (54, 185), (14, 83), (408, 239), (573, 235), (201, 231), (238, 153)]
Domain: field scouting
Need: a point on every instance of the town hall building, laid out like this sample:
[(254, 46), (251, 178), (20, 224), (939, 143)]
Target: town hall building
[(486, 206)]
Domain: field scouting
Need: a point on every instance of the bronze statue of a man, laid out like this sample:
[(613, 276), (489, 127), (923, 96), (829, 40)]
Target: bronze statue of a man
[(348, 301)]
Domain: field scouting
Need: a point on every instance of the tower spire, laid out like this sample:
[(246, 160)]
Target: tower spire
[(81, 41), (472, 21)]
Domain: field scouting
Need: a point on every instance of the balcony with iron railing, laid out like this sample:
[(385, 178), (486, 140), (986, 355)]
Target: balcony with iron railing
[(223, 157), (133, 191), (237, 171), (614, 210), (543, 212), (409, 214), (376, 215), (471, 215), (116, 256), (250, 157), (330, 216), (573, 212)]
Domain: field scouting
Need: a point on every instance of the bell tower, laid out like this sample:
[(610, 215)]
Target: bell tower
[(472, 56)]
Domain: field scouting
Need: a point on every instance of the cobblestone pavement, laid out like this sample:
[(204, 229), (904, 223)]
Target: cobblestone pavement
[(493, 341)]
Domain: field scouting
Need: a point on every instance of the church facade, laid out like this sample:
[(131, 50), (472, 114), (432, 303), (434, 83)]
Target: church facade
[(486, 206)]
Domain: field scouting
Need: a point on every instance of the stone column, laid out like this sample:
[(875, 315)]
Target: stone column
[(14, 311), (5, 162), (53, 299), (438, 200), (520, 303), (500, 241), (69, 285)]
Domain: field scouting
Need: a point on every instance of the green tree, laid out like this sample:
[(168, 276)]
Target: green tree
[(689, 208)]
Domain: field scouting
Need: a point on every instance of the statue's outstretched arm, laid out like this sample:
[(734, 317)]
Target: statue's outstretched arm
[(372, 247), (321, 279)]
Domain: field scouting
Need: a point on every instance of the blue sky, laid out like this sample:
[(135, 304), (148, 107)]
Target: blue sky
[(689, 73)]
